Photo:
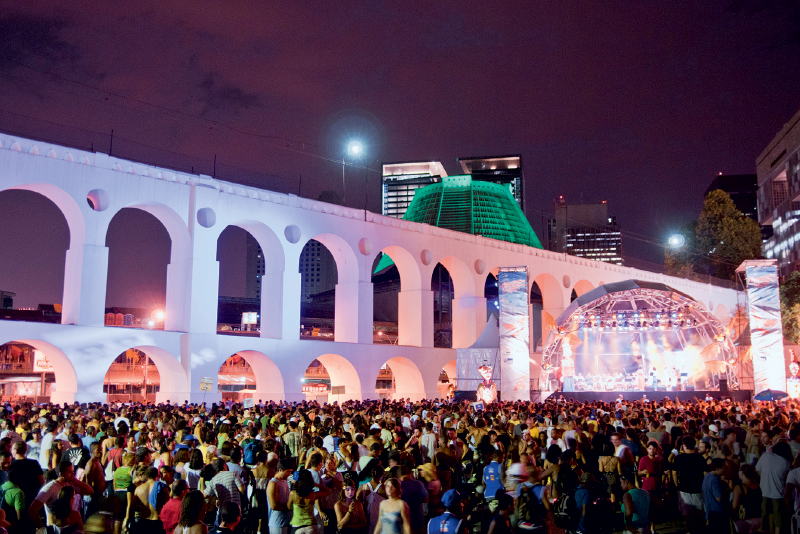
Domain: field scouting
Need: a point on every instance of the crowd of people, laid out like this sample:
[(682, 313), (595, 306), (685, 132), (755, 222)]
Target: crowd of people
[(399, 467)]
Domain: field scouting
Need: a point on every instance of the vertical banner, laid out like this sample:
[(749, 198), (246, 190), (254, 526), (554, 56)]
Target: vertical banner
[(515, 370), (766, 330)]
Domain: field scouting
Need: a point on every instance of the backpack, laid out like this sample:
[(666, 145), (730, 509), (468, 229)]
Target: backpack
[(565, 512), (250, 452), (529, 509)]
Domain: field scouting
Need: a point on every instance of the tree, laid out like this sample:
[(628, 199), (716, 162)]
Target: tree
[(790, 307), (725, 237)]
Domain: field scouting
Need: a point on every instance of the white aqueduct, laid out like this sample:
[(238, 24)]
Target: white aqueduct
[(195, 209)]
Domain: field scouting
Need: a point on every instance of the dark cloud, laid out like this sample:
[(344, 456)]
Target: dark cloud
[(226, 96), (35, 39)]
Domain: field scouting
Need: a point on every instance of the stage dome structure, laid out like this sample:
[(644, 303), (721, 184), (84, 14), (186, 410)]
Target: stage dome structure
[(638, 336)]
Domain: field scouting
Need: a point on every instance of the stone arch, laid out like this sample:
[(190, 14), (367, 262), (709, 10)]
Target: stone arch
[(269, 381), (274, 262), (343, 254), (73, 266), (583, 286), (450, 369), (342, 373), (552, 306), (463, 281), (178, 298), (407, 379), (552, 295), (407, 266), (174, 385), (66, 379), (67, 205)]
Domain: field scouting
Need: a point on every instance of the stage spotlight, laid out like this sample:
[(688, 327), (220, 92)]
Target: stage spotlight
[(636, 314), (732, 360)]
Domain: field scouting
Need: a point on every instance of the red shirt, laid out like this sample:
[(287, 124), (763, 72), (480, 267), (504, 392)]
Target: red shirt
[(170, 514), (651, 482)]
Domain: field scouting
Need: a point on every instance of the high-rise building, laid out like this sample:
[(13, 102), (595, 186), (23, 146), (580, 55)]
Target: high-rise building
[(318, 270), (7, 300), (255, 269), (503, 170), (778, 168), (401, 180), (317, 267), (586, 231)]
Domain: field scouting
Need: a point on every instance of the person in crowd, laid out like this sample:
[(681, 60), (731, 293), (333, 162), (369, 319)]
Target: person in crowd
[(350, 517), (635, 506), (393, 513), (171, 511), (192, 512), (773, 468), (301, 502), (501, 523)]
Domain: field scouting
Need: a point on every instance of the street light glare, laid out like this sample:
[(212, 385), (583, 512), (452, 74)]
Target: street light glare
[(676, 241), (355, 148)]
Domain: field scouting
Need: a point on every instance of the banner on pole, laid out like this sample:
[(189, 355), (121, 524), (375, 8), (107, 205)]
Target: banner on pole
[(766, 330), (515, 368)]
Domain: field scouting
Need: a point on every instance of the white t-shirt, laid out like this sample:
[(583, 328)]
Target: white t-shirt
[(794, 478), (49, 493), (774, 470), (47, 442)]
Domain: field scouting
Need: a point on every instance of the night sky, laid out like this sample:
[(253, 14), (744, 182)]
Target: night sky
[(639, 103)]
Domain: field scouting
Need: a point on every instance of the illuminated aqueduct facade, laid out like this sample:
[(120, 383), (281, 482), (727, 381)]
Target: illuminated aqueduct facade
[(195, 209)]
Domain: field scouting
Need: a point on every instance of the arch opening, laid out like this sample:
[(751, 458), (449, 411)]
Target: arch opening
[(442, 286), (29, 371), (34, 262), (249, 373), (319, 275), (139, 251), (582, 287), (326, 374), (491, 291), (132, 377), (399, 378), (144, 372), (447, 380)]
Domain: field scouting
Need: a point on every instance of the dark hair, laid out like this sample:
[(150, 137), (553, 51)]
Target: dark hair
[(178, 487), (783, 450), (196, 460), (229, 513), (191, 508)]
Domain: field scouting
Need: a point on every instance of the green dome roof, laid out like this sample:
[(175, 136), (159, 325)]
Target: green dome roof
[(473, 207)]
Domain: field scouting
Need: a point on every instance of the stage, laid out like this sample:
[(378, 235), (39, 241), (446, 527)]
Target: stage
[(610, 396)]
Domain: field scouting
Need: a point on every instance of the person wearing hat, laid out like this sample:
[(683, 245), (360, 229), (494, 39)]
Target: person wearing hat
[(450, 522)]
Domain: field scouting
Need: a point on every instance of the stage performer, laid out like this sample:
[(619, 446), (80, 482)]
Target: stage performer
[(568, 372), (640, 380), (654, 378), (487, 390)]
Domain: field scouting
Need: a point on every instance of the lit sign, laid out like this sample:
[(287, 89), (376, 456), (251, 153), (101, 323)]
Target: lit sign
[(40, 363), (250, 318)]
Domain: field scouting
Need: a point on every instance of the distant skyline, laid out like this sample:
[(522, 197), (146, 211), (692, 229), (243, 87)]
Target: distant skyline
[(640, 104)]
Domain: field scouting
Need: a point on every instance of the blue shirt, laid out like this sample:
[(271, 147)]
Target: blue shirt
[(582, 497), (492, 480), (87, 441), (714, 488), (446, 523)]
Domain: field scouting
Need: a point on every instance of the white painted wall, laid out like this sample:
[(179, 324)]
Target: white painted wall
[(196, 209)]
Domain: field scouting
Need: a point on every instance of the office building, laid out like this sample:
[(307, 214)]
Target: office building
[(586, 231), (503, 170), (778, 170), (7, 300), (401, 180)]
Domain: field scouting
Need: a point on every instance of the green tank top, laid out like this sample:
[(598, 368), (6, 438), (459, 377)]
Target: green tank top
[(122, 478), (303, 514)]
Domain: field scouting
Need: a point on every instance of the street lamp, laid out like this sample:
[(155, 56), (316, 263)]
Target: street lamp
[(676, 241), (354, 150)]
